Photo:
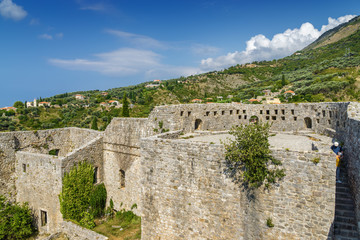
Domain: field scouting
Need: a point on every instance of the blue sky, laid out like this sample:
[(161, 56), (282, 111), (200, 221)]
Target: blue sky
[(52, 47)]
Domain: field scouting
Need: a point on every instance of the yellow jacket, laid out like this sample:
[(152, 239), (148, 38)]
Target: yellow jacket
[(337, 160)]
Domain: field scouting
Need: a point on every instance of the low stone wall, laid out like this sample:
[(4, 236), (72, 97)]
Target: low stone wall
[(188, 194), (76, 232), (352, 154)]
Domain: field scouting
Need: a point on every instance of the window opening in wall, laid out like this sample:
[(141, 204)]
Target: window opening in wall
[(254, 119), (54, 152), (283, 118), (231, 111), (317, 120), (276, 111), (189, 113), (245, 117), (295, 118), (337, 123), (267, 117), (239, 116), (237, 111), (222, 112), (207, 113), (261, 111), (96, 174), (336, 115), (329, 121), (43, 216), (330, 113), (344, 124), (181, 113), (292, 111), (244, 111), (283, 111), (122, 178), (308, 123), (215, 112), (267, 111), (273, 117), (198, 123), (324, 113), (24, 167)]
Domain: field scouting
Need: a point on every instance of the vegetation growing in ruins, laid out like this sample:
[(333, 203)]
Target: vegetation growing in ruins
[(251, 155), (269, 223), (16, 221), (80, 200)]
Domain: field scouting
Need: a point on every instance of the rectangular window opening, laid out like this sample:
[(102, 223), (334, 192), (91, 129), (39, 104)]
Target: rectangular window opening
[(267, 111), (122, 178), (261, 111), (222, 112), (43, 216), (324, 113), (189, 113), (282, 118), (330, 113), (273, 118), (181, 113), (231, 112), (267, 117), (237, 111), (215, 112), (239, 116), (276, 112), (245, 117), (292, 111), (295, 118), (96, 174), (207, 113), (283, 111), (329, 121), (244, 111), (24, 167), (317, 120)]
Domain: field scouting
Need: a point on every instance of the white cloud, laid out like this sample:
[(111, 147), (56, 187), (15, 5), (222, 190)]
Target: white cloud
[(260, 47), (126, 62), (137, 39), (34, 22), (46, 36), (8, 9)]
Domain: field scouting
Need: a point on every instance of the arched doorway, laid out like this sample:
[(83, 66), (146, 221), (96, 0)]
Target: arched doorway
[(254, 119), (308, 122), (198, 123)]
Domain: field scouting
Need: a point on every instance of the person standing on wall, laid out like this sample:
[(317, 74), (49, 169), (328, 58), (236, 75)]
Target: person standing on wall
[(337, 149)]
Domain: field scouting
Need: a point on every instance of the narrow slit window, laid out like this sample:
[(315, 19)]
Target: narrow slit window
[(43, 216), (189, 113), (268, 112), (245, 117), (292, 111), (261, 111), (96, 169), (283, 111), (24, 167), (122, 178), (231, 112), (276, 111), (295, 118), (215, 112), (237, 111), (207, 113), (181, 113)]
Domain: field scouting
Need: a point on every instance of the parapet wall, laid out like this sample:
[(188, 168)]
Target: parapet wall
[(320, 117), (187, 194)]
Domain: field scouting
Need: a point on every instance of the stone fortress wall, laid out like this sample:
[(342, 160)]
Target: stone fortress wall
[(179, 186)]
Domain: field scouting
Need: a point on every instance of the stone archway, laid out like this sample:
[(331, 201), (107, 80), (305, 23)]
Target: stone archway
[(198, 123), (254, 119), (308, 122)]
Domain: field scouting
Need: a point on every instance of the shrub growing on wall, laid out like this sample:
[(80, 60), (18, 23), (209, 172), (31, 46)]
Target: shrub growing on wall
[(15, 220), (80, 198), (250, 151)]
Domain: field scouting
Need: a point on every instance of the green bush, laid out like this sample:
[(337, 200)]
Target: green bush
[(250, 150), (98, 200), (15, 220)]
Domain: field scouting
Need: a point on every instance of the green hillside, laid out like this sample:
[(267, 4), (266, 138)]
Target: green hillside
[(327, 70)]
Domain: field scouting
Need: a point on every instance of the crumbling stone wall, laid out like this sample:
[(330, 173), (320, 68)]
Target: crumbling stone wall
[(187, 194), (122, 152)]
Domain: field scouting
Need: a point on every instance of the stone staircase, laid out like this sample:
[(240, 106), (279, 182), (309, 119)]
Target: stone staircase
[(345, 227)]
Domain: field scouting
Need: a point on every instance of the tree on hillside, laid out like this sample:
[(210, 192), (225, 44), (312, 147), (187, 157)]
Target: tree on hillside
[(125, 108), (18, 104), (94, 124)]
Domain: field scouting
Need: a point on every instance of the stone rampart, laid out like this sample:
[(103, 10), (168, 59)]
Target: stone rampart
[(320, 117), (187, 194), (76, 232), (122, 160), (352, 154)]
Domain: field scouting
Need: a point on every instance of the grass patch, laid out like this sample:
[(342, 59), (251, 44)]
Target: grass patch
[(125, 225)]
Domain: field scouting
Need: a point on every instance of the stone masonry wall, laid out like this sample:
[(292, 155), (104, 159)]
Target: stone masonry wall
[(39, 183), (352, 154), (122, 152), (324, 117), (76, 232), (188, 195)]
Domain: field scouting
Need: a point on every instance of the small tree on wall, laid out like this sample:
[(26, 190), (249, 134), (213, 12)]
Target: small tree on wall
[(250, 154)]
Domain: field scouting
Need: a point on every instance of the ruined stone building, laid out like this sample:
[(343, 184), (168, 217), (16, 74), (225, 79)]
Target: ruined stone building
[(179, 178)]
